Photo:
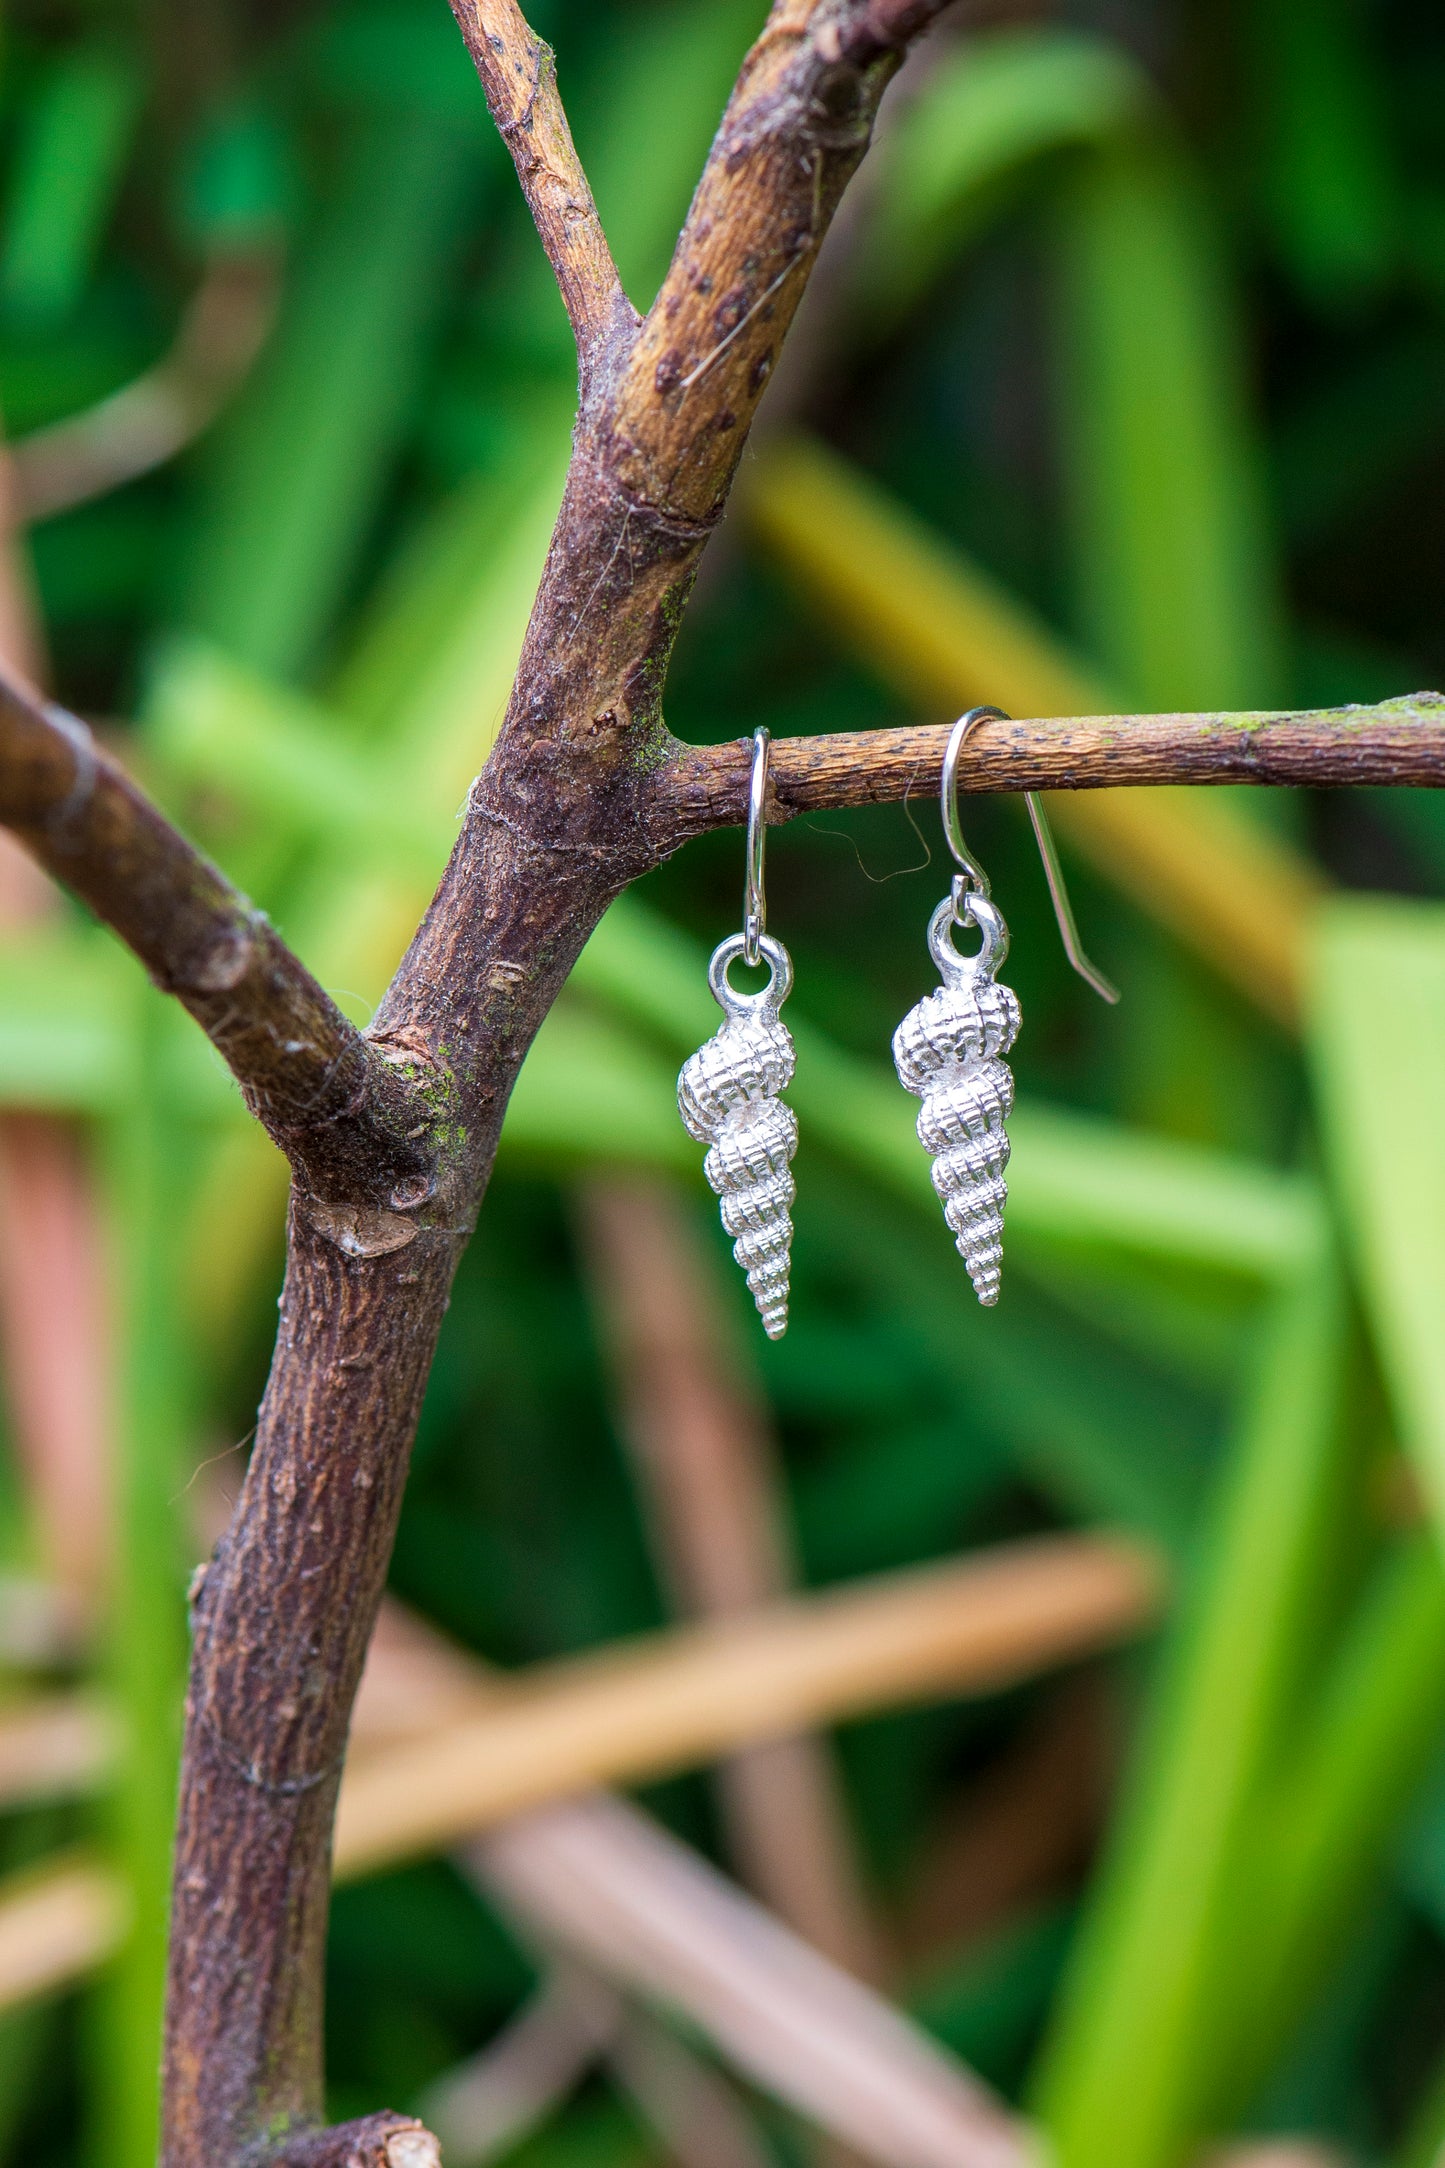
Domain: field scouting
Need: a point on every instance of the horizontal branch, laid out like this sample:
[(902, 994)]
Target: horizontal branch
[(670, 1702), (341, 1113), (1397, 742)]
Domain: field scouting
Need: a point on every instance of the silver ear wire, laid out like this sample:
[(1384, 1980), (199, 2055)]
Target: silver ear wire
[(974, 880), (1063, 909), (949, 1050), (729, 1093), (755, 903)]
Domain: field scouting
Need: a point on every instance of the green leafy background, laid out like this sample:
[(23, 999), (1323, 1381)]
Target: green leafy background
[(1123, 385)]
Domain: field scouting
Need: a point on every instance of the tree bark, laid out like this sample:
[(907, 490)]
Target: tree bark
[(565, 815), (391, 1134)]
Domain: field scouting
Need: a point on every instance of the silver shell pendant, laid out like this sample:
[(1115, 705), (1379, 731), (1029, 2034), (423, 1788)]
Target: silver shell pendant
[(948, 1052), (727, 1096)]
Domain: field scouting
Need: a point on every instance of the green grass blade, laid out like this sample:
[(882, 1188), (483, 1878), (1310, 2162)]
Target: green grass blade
[(1377, 1038), (299, 468), (1324, 139), (1172, 557), (147, 1639), (1118, 2085), (73, 148), (987, 114), (67, 1039), (1330, 1818), (1104, 1444), (432, 665), (625, 1112), (1425, 2138)]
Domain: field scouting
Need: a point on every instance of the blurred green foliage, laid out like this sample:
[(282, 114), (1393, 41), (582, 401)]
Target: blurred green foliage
[(1143, 312)]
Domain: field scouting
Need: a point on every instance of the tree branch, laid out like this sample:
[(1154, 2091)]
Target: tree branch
[(795, 129), (585, 790), (519, 75), (1396, 742), (880, 26), (345, 1116)]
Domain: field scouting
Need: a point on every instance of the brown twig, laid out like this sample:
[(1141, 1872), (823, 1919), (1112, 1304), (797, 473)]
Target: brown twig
[(391, 1136), (53, 1313), (693, 1419), (797, 125), (519, 75), (681, 1698), (156, 416), (1395, 742), (561, 820), (657, 1920)]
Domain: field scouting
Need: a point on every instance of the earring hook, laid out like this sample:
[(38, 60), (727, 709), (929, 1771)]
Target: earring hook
[(755, 907), (972, 879)]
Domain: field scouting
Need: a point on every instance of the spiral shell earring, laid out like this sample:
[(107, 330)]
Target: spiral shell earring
[(949, 1049), (727, 1093)]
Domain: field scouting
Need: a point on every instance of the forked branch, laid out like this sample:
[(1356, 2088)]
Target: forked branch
[(391, 1134)]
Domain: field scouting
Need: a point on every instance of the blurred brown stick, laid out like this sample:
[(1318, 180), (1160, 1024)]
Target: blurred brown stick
[(598, 1879), (495, 2098), (56, 1746), (1017, 1833), (658, 1920), (53, 1326), (442, 1746), (1277, 2153), (693, 1420), (632, 1712), (57, 1924), (693, 2108), (149, 421)]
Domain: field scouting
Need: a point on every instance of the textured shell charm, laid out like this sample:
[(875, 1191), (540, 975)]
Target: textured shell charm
[(727, 1096), (949, 1053)]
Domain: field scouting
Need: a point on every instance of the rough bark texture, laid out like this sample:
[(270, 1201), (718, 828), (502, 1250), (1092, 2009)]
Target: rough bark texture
[(391, 1134), (566, 814), (282, 1621)]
